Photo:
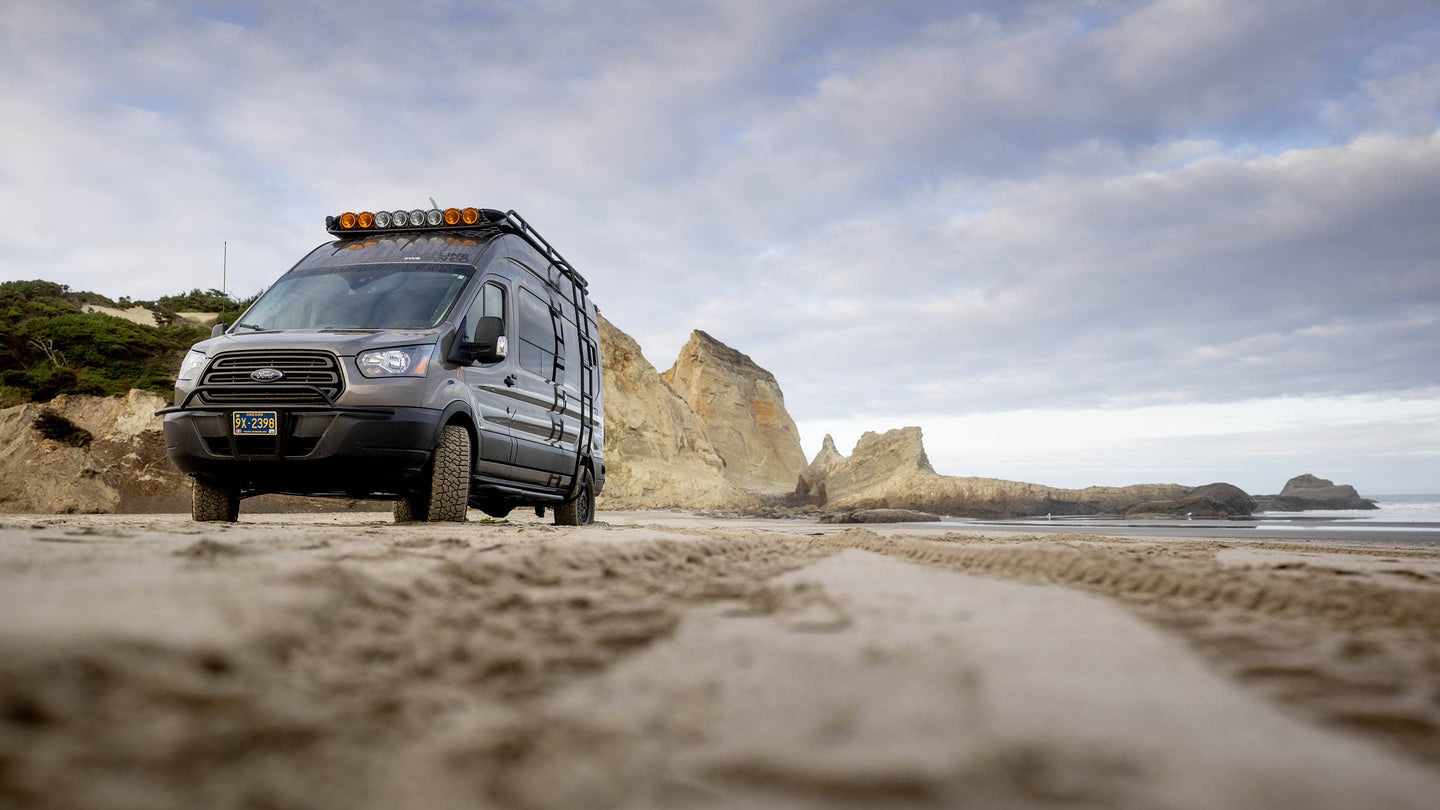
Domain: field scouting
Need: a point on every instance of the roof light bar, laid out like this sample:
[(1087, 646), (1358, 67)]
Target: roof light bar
[(436, 219), (350, 222)]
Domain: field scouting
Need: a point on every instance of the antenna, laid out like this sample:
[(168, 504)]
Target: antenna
[(433, 205), (224, 266)]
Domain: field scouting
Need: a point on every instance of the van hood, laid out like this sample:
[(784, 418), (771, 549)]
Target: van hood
[(345, 343)]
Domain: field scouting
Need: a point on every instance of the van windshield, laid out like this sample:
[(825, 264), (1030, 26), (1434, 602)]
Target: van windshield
[(362, 296)]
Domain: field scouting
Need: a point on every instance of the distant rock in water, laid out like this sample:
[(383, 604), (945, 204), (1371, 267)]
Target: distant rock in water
[(891, 471), (880, 516), (742, 410), (1307, 492), (1217, 500)]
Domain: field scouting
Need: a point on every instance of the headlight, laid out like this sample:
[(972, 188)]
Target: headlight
[(406, 361), (190, 366)]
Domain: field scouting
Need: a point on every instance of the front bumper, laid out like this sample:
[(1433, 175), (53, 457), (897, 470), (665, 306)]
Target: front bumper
[(317, 450)]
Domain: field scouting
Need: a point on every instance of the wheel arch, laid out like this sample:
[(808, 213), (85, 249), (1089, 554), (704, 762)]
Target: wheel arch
[(458, 413)]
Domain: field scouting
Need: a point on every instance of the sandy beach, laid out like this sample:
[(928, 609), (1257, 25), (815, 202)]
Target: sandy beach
[(665, 659)]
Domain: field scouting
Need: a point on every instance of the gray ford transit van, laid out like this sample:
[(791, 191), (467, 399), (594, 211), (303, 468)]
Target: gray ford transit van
[(441, 358)]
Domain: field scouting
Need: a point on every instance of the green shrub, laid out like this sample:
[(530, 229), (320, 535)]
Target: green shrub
[(50, 346)]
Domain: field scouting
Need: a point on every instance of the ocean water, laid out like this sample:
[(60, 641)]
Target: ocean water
[(1393, 509)]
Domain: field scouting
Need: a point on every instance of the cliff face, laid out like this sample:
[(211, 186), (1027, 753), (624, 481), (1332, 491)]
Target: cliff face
[(743, 414), (88, 454), (891, 470), (656, 450)]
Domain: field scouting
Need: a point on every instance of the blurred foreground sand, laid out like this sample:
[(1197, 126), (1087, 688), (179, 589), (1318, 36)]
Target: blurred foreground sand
[(669, 660)]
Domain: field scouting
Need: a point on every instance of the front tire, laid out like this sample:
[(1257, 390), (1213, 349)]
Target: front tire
[(446, 489), (581, 510), (448, 492), (211, 502)]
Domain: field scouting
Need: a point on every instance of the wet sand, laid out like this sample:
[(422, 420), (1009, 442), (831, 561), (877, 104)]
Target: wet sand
[(674, 660)]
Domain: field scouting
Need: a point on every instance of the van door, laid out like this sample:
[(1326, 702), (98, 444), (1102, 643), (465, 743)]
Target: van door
[(536, 425), (487, 382)]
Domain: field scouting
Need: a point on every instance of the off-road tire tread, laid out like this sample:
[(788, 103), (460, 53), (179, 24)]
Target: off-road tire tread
[(210, 503), (409, 509), (568, 513), (450, 476)]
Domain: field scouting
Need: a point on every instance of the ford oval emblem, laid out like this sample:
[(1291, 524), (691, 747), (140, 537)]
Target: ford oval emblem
[(266, 374)]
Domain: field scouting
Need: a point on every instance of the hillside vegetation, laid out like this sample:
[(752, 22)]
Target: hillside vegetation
[(50, 345)]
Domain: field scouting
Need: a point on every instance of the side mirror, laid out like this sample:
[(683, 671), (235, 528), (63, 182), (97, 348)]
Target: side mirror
[(489, 345), (217, 330)]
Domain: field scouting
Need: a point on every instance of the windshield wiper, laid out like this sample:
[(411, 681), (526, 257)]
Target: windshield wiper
[(252, 326), (350, 329)]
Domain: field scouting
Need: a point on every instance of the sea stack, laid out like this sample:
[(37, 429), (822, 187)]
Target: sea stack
[(743, 413), (1306, 492), (656, 452)]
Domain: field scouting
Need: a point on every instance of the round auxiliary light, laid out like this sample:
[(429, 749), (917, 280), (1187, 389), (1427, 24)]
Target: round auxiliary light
[(417, 218), (452, 216), (399, 219), (470, 216), (382, 219), (365, 219), (433, 216), (347, 221)]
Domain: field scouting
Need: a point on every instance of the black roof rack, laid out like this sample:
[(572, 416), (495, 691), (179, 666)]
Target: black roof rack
[(511, 220)]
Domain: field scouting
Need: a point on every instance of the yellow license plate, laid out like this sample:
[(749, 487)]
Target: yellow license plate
[(254, 423)]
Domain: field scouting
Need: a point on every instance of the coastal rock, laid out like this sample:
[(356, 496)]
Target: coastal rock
[(80, 453), (1218, 500), (891, 470), (880, 516), (1306, 492), (656, 450), (743, 413), (824, 461)]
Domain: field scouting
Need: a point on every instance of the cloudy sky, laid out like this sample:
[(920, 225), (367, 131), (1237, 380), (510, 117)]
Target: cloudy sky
[(1077, 242)]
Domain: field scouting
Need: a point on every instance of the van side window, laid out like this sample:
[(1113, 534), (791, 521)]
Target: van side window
[(537, 335), (489, 303)]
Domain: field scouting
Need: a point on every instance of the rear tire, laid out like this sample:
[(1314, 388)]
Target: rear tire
[(581, 510), (211, 502), (409, 509), (449, 490)]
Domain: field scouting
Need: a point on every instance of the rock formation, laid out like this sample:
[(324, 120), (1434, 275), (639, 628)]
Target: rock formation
[(880, 516), (743, 414), (824, 461), (88, 454), (891, 470), (1217, 500), (1305, 492), (656, 450)]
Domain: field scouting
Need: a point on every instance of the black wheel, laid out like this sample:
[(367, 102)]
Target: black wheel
[(447, 487), (448, 493), (211, 502), (581, 510)]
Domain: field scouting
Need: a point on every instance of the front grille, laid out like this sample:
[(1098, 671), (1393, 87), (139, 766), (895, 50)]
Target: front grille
[(230, 372)]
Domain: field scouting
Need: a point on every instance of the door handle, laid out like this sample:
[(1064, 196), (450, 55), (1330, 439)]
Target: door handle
[(510, 381)]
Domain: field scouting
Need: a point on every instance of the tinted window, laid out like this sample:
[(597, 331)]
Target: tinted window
[(537, 335), (489, 303)]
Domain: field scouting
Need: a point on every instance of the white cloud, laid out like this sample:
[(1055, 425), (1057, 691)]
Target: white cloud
[(909, 208)]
